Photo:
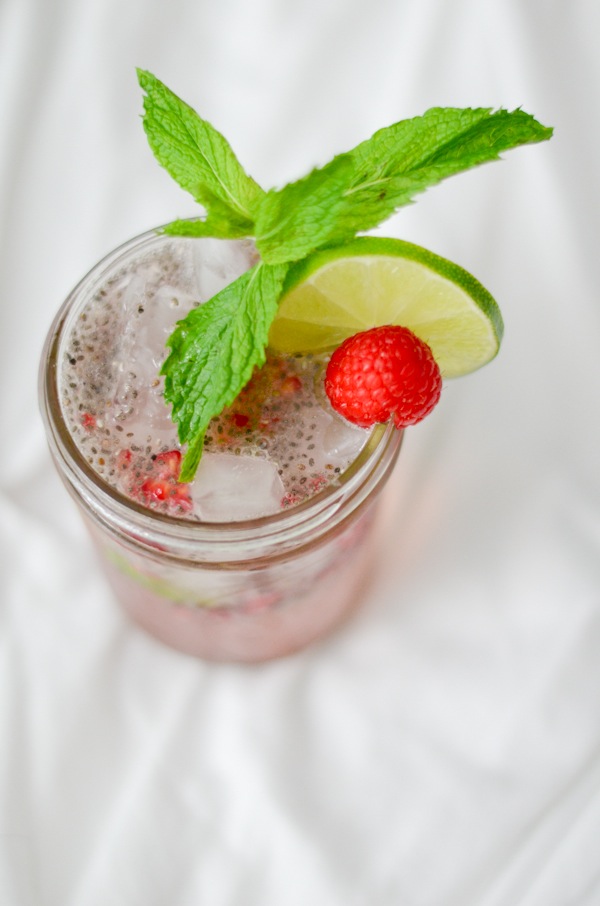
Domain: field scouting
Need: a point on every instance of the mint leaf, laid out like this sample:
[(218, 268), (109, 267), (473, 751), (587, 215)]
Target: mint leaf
[(214, 351), (221, 223), (401, 160), (216, 224), (197, 156), (295, 220), (209, 226)]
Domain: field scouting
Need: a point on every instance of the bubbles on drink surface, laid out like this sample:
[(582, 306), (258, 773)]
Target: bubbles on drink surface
[(277, 445)]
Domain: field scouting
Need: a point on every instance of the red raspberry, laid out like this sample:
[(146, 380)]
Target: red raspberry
[(383, 373), (155, 489), (159, 490), (168, 465), (88, 421), (123, 459), (290, 385)]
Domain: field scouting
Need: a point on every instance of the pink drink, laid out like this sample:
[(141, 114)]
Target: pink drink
[(265, 551)]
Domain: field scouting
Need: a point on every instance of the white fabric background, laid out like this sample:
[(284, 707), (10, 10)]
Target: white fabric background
[(444, 748)]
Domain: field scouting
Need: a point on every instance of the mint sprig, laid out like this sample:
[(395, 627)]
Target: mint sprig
[(215, 349)]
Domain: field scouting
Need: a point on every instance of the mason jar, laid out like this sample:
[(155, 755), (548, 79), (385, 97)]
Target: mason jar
[(247, 590)]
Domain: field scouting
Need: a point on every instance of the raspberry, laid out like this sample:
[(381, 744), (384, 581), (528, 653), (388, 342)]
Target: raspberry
[(155, 489), (160, 490), (382, 373), (123, 460), (168, 465), (88, 421)]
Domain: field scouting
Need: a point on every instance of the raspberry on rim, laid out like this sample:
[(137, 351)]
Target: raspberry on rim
[(382, 373)]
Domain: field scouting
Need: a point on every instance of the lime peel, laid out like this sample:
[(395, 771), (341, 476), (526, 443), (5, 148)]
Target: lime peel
[(373, 281)]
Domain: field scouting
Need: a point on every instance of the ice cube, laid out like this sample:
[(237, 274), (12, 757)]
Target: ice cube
[(341, 440), (148, 311), (150, 316), (218, 262), (143, 418), (334, 441), (230, 488)]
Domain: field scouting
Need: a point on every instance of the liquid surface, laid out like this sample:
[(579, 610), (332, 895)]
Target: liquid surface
[(279, 443)]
